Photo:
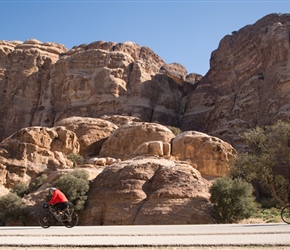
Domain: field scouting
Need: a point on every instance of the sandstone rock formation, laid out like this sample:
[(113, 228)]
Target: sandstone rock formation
[(148, 191), (153, 188), (124, 142), (24, 77), (109, 102), (43, 83), (247, 84), (35, 150), (91, 132), (209, 154)]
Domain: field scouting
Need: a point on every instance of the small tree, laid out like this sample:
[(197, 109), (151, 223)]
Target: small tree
[(75, 185), (232, 199), (11, 207), (75, 158), (267, 161)]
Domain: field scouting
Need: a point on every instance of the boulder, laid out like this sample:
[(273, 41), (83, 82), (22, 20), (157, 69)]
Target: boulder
[(210, 154), (148, 190), (126, 139), (31, 151), (91, 132)]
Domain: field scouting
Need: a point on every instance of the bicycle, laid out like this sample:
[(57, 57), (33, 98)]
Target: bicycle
[(68, 217), (285, 214)]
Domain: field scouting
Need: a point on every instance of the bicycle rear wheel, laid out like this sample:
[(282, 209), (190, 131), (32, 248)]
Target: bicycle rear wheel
[(285, 214), (73, 221), (46, 220)]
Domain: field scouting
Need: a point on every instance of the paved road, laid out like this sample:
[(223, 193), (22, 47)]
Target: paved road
[(128, 236)]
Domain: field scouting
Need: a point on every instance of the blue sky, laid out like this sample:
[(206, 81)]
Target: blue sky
[(184, 32)]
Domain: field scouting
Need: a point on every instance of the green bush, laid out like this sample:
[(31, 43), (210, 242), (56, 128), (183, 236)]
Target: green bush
[(267, 161), (175, 130), (76, 159), (75, 186), (11, 207), (20, 189), (232, 200), (34, 185)]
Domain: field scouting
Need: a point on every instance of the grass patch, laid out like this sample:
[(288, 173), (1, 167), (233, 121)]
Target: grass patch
[(268, 215)]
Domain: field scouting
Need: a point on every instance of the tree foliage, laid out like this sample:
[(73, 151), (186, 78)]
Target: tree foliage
[(232, 199), (11, 206), (267, 160), (20, 189), (75, 158), (75, 186)]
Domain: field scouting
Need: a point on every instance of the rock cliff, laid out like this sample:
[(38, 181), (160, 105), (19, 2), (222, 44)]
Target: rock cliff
[(247, 84), (42, 83)]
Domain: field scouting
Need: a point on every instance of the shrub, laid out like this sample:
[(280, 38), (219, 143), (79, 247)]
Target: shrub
[(232, 199), (11, 207), (20, 189), (75, 186), (175, 130), (37, 182), (75, 158)]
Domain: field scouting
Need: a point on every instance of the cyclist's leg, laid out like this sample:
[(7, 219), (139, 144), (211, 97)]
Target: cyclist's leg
[(57, 206)]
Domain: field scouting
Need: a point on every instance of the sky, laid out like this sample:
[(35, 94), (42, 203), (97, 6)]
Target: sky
[(184, 32)]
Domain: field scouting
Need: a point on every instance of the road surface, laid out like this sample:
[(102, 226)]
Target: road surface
[(229, 235)]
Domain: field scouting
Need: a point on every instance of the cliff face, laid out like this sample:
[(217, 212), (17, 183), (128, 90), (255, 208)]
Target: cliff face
[(248, 83), (43, 83), (24, 79)]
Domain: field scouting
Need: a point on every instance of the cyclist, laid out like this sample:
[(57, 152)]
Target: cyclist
[(58, 200)]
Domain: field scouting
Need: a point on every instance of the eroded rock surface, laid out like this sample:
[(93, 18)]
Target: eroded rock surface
[(247, 84), (148, 191), (34, 150), (125, 140), (209, 154), (43, 83), (91, 132)]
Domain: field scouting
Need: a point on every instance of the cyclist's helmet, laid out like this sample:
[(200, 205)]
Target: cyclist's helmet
[(52, 189)]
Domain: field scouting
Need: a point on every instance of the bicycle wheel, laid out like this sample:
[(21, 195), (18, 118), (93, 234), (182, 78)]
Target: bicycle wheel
[(46, 220), (285, 214), (72, 221)]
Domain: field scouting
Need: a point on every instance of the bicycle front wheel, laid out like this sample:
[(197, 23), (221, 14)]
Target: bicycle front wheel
[(285, 214), (46, 220)]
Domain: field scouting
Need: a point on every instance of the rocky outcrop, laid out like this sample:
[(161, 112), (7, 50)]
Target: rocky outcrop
[(35, 150), (140, 171), (247, 84), (32, 151), (210, 155), (91, 133), (43, 83), (137, 177), (144, 191), (24, 79), (124, 142)]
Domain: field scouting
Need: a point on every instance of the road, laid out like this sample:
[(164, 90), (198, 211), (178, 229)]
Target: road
[(148, 236)]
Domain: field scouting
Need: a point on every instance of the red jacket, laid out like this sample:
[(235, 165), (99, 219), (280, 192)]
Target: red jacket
[(57, 197)]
